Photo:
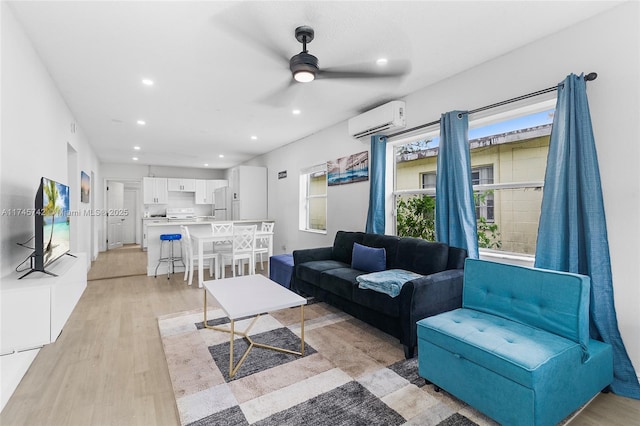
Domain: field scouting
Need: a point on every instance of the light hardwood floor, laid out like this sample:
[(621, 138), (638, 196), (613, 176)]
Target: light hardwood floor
[(108, 366)]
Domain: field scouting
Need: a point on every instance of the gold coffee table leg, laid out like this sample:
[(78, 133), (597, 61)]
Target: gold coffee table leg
[(234, 369), (302, 330)]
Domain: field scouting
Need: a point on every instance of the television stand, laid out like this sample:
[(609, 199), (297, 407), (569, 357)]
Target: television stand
[(32, 269), (33, 313)]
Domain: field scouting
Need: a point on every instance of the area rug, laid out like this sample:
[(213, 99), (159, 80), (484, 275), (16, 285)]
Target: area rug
[(351, 374)]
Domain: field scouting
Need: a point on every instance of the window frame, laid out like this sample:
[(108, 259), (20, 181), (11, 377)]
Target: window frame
[(529, 106), (306, 197)]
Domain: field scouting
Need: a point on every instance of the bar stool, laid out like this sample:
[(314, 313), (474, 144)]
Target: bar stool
[(170, 260)]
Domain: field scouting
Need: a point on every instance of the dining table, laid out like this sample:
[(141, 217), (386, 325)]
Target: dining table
[(201, 236)]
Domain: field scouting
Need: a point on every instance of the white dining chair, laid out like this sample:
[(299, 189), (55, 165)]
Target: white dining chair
[(223, 228), (191, 256), (242, 247), (262, 243)]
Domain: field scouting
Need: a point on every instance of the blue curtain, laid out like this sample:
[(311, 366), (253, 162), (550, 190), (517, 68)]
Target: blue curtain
[(455, 206), (377, 162), (572, 234)]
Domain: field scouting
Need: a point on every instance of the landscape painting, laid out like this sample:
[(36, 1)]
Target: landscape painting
[(350, 169), (85, 187)]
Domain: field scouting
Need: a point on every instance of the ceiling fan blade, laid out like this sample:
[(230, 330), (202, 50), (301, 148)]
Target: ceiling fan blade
[(283, 96), (395, 69), (252, 32)]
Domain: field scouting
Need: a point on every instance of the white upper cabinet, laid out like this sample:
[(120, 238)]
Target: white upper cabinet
[(155, 191), (206, 188), (183, 185), (202, 195)]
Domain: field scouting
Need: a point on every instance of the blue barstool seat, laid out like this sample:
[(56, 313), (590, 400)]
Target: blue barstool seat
[(169, 259)]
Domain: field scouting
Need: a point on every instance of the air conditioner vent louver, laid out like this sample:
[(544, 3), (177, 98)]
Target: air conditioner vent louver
[(381, 120)]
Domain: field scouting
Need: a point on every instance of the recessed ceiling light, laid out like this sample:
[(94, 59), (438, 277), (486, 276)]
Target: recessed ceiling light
[(296, 112), (147, 82), (137, 148), (135, 158), (141, 122), (254, 138), (221, 156), (382, 62)]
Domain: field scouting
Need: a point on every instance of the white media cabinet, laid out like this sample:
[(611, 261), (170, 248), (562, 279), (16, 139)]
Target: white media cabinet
[(33, 312)]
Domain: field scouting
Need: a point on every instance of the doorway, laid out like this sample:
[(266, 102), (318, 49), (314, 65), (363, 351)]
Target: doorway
[(123, 224), (115, 214), (129, 222)]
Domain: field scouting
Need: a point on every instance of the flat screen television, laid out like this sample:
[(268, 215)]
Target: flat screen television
[(51, 224)]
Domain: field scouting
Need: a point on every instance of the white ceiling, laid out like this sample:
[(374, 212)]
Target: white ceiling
[(213, 65)]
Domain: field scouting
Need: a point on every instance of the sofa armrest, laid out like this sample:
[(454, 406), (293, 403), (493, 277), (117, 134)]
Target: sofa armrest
[(309, 255), (427, 296)]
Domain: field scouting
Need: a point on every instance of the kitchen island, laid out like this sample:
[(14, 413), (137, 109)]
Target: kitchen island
[(155, 229)]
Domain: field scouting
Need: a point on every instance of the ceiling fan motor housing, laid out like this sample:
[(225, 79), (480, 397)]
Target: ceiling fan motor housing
[(303, 62)]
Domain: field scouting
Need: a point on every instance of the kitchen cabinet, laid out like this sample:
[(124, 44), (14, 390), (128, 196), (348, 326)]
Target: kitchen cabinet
[(248, 186), (202, 195), (181, 185), (145, 229), (205, 189), (154, 190)]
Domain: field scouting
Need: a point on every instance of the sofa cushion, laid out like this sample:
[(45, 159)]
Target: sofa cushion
[(388, 282), (310, 271), (389, 242), (368, 259), (339, 281), (343, 245), (522, 353), (420, 256), (554, 301)]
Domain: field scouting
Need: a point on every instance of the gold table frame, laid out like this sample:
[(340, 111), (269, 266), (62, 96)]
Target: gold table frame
[(245, 334)]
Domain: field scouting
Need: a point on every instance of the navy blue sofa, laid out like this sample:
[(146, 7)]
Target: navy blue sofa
[(326, 274)]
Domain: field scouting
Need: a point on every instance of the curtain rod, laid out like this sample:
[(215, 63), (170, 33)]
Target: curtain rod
[(589, 77)]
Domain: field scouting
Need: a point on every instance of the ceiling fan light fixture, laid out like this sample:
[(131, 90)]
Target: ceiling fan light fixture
[(304, 67), (304, 76)]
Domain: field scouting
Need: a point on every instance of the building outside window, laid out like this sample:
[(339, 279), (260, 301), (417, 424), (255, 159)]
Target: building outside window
[(508, 162), (313, 199)]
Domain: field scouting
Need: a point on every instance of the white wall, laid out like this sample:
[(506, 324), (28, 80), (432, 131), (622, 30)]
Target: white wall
[(36, 140), (607, 44), (36, 132), (347, 204)]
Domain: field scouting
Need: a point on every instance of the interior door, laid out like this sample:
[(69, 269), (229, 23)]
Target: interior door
[(115, 214), (129, 222)]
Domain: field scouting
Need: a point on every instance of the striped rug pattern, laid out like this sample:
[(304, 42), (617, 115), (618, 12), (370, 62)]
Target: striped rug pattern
[(351, 374)]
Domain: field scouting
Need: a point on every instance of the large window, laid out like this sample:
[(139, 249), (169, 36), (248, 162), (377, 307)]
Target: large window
[(508, 162), (313, 198)]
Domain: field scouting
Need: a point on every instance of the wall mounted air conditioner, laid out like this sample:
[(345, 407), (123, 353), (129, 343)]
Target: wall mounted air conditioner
[(382, 120)]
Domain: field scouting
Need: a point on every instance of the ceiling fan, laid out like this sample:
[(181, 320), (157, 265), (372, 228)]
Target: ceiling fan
[(304, 66)]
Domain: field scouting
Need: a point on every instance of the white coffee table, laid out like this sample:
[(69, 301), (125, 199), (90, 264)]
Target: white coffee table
[(251, 295)]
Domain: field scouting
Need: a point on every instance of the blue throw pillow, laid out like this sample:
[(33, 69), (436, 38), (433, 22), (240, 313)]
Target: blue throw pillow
[(368, 259)]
